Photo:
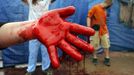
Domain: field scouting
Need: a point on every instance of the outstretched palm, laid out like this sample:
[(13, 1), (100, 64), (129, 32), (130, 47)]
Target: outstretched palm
[(53, 31)]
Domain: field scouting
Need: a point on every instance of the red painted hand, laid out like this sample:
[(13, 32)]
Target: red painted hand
[(53, 31)]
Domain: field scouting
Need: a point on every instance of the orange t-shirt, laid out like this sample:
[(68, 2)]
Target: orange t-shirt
[(97, 14)]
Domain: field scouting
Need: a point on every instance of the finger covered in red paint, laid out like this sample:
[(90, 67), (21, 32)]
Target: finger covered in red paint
[(53, 56), (76, 28), (70, 50), (81, 44)]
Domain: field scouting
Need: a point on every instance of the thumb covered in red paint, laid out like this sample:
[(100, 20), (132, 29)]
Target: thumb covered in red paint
[(66, 12)]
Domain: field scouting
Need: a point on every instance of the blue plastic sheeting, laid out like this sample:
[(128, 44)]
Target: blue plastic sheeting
[(11, 11), (126, 1), (81, 9), (121, 37)]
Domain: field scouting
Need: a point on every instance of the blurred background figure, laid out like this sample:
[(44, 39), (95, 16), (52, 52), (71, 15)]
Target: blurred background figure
[(97, 20), (36, 9)]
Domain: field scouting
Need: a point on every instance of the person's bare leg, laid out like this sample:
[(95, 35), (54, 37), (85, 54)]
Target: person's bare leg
[(107, 53), (95, 59), (107, 57), (95, 42), (95, 54)]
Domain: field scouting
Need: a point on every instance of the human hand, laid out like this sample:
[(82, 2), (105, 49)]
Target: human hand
[(53, 31)]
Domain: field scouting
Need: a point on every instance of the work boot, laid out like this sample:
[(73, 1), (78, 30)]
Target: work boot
[(95, 61), (48, 72), (107, 61)]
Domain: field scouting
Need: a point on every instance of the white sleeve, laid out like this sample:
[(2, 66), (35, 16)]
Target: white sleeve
[(35, 11), (30, 3), (46, 4), (32, 14)]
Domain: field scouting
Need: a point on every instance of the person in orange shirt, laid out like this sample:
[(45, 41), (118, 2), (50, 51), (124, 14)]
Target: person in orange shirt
[(97, 20)]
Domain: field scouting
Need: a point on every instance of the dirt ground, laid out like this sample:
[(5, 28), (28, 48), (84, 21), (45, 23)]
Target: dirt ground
[(122, 63)]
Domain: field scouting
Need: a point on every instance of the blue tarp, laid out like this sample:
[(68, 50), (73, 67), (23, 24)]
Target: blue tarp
[(11, 11), (81, 9), (121, 37)]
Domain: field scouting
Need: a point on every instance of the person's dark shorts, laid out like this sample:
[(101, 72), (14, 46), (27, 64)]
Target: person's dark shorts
[(96, 27)]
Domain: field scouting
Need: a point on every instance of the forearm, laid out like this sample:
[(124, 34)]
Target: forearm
[(16, 32)]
